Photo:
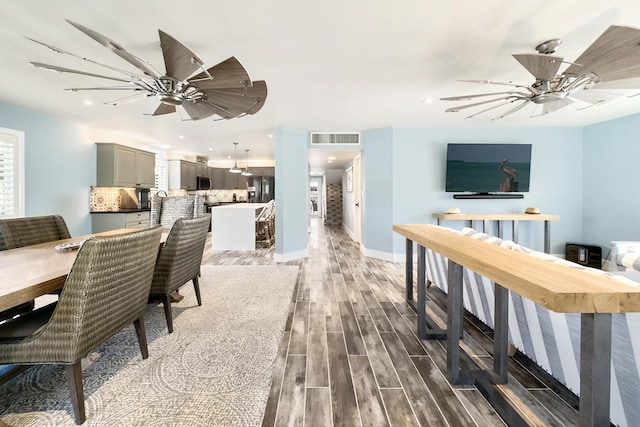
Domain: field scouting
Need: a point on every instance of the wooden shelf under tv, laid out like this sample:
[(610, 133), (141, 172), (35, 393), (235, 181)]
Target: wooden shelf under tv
[(501, 217)]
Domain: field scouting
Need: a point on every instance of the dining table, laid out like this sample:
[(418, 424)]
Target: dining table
[(32, 271)]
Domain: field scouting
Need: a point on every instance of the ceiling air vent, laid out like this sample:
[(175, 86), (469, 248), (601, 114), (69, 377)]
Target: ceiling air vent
[(335, 138)]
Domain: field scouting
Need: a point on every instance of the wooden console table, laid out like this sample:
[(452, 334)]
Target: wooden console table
[(501, 218), (557, 287)]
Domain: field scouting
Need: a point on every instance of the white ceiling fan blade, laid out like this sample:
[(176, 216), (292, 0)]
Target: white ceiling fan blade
[(64, 52), (84, 73), (116, 48), (475, 104), (489, 109), (479, 95), (550, 107), (492, 82), (542, 67), (518, 107), (594, 96)]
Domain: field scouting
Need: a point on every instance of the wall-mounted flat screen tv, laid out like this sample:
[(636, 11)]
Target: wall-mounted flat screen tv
[(488, 168)]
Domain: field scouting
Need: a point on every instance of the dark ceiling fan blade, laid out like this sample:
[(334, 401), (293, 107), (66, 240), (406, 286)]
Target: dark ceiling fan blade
[(475, 104), (523, 103), (232, 103), (542, 67), (253, 97), (226, 74), (179, 61), (84, 73), (164, 109), (115, 48), (203, 109), (612, 56)]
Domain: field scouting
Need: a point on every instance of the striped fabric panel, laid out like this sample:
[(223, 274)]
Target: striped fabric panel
[(630, 260)]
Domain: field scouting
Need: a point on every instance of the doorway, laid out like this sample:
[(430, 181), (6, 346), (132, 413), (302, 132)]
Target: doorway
[(315, 197)]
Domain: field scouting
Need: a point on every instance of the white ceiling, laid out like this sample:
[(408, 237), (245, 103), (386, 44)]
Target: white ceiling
[(329, 65)]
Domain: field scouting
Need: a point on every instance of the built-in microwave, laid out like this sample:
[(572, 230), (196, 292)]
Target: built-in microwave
[(203, 183)]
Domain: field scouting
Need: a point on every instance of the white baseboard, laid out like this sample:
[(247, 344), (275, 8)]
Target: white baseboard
[(349, 232), (385, 256), (290, 256)]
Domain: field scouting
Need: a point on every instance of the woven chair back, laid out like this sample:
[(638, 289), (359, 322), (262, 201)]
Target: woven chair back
[(180, 258), (20, 232)]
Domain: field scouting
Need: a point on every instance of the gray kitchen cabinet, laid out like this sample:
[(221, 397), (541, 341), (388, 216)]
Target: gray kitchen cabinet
[(218, 178), (182, 175), (122, 166), (106, 221)]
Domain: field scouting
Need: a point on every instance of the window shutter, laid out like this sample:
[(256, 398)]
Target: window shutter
[(10, 174)]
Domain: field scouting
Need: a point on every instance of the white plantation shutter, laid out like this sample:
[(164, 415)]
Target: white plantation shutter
[(11, 173)]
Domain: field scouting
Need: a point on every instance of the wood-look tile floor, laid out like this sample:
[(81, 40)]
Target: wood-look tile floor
[(350, 355)]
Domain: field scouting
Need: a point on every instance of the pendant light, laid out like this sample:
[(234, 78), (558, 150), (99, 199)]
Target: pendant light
[(235, 168), (246, 172)]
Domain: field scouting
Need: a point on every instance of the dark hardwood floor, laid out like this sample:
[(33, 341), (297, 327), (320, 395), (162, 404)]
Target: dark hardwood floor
[(350, 355)]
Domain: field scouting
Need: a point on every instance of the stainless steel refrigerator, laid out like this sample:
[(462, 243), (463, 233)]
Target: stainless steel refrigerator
[(264, 189)]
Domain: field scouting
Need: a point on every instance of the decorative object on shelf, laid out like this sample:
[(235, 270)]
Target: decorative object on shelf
[(224, 90), (531, 210), (454, 210), (246, 172), (350, 179), (607, 69), (235, 168)]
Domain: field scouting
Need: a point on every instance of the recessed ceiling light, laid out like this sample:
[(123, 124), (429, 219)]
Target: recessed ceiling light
[(427, 100), (166, 146), (88, 102), (181, 137), (270, 135), (210, 149), (332, 158)]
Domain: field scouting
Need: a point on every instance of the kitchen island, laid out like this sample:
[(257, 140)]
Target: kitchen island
[(233, 227)]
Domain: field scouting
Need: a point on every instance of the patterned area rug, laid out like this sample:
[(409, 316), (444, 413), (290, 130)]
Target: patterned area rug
[(214, 370)]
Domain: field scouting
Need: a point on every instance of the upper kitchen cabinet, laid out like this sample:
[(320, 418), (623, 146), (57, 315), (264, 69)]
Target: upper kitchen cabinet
[(182, 174), (121, 166)]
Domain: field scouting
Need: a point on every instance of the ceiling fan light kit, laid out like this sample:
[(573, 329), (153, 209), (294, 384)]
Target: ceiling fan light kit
[(224, 91), (610, 64)]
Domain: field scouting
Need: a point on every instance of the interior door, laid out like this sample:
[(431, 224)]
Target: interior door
[(315, 197), (357, 199)]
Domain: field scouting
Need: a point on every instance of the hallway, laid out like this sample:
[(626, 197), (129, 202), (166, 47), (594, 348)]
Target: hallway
[(350, 356)]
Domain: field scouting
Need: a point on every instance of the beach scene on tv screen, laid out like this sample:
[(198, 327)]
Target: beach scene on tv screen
[(486, 168)]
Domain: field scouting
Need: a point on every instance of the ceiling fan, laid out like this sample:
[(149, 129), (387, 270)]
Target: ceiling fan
[(224, 90), (611, 63)]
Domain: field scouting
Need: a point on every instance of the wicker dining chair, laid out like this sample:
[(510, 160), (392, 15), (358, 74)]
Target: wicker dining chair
[(27, 231), (166, 210), (179, 261), (107, 288)]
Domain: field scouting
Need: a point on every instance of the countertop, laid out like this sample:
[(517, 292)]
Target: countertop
[(121, 211), (241, 205)]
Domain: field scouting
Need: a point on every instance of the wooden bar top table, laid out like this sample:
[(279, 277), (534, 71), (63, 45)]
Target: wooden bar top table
[(32, 271), (501, 217)]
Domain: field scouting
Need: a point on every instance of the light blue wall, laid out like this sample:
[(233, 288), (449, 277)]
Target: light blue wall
[(611, 174), (377, 189), (419, 166), (292, 203), (60, 166)]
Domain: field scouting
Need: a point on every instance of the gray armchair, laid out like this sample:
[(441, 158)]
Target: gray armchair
[(179, 261), (107, 288), (27, 231)]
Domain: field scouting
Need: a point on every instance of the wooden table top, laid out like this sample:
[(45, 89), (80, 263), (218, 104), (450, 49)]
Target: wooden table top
[(32, 271), (557, 287)]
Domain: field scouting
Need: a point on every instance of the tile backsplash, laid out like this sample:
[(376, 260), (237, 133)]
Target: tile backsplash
[(222, 195), (111, 199)]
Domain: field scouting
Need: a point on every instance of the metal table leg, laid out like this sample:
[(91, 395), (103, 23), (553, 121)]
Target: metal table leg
[(409, 270), (547, 236), (595, 369), (427, 328)]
